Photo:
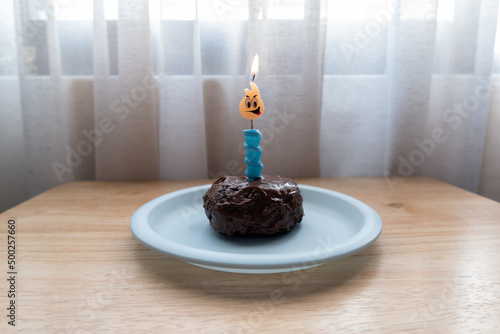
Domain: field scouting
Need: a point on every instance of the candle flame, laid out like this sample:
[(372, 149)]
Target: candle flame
[(255, 65)]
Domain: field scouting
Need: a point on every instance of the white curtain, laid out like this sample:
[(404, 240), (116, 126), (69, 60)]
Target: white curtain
[(144, 90)]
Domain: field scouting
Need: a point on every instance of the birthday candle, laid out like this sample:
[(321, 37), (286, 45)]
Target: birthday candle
[(252, 107)]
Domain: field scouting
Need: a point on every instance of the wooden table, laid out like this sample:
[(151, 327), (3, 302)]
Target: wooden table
[(435, 268)]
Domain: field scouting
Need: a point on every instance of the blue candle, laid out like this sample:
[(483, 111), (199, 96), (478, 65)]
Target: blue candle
[(254, 165), (252, 107)]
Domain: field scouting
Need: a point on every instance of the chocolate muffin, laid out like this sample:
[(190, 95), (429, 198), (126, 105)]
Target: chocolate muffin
[(269, 206)]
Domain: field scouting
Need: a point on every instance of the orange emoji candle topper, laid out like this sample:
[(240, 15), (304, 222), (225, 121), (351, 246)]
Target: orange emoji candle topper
[(252, 106)]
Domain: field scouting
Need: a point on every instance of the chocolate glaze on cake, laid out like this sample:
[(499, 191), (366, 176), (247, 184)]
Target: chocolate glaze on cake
[(268, 206)]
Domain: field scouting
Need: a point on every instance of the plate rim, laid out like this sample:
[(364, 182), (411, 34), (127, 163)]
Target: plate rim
[(142, 231)]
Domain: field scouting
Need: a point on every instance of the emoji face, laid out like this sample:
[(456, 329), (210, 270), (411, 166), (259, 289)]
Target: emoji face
[(252, 106)]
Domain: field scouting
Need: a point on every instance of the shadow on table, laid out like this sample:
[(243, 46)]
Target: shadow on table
[(292, 286)]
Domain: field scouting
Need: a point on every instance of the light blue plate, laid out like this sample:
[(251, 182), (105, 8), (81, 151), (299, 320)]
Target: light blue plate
[(334, 226)]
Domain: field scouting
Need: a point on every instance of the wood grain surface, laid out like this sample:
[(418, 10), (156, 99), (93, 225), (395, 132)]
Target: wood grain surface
[(434, 269)]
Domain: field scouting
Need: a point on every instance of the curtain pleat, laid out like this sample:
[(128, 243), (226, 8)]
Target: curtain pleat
[(44, 117), (183, 152), (459, 104), (127, 112), (13, 165)]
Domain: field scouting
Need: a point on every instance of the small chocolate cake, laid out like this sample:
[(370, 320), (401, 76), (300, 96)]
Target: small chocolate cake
[(269, 206)]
